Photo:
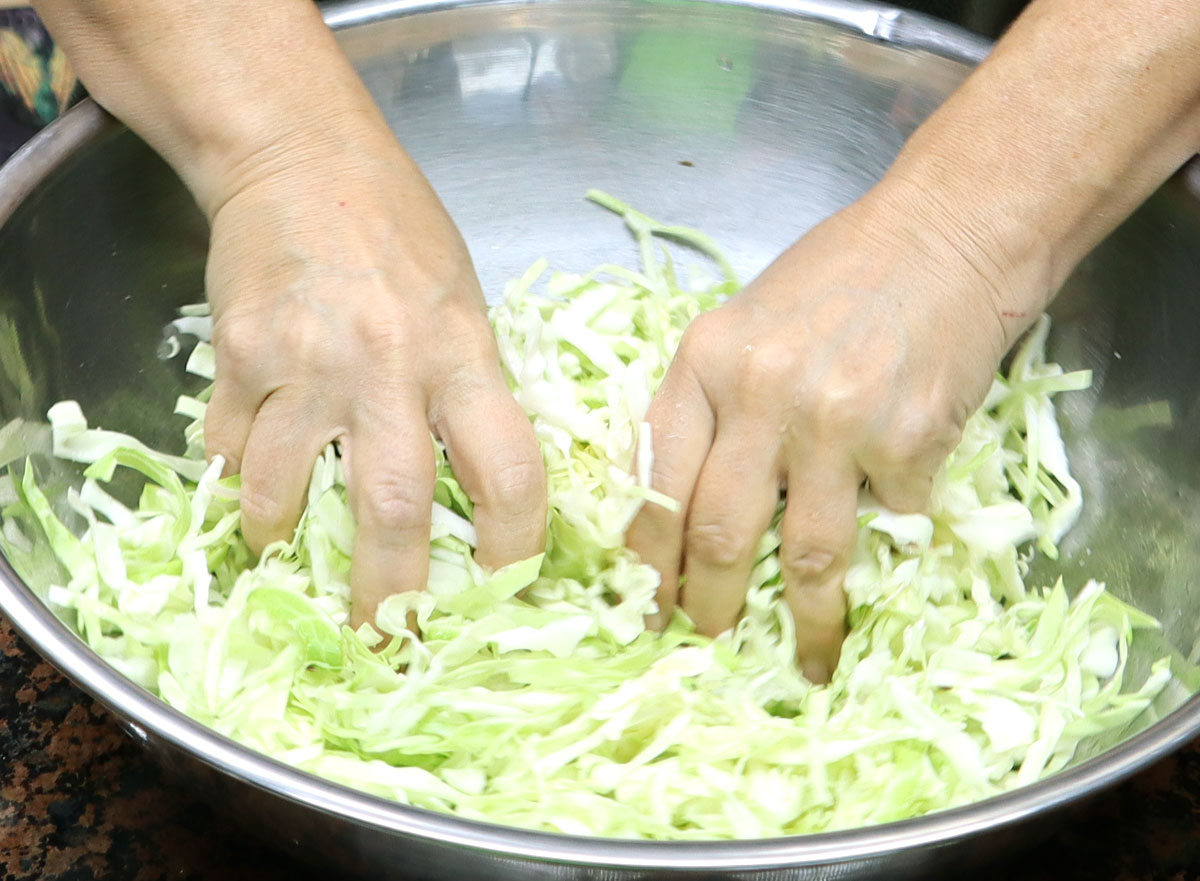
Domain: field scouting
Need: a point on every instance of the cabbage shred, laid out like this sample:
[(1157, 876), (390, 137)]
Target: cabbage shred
[(534, 696)]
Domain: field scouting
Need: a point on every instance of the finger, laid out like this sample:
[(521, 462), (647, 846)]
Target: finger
[(227, 421), (276, 468), (818, 534), (681, 431), (389, 466), (735, 498), (498, 463)]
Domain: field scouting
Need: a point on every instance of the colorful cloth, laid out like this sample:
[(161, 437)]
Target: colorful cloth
[(36, 80)]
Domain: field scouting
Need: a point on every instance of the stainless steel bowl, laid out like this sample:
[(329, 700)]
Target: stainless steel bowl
[(751, 120)]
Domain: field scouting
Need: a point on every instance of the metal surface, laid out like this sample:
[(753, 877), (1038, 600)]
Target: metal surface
[(751, 121)]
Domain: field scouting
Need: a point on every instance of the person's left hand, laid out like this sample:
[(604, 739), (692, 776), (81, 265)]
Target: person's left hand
[(857, 356)]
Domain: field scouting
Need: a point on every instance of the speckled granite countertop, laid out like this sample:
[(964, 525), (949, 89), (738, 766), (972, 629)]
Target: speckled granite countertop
[(79, 801)]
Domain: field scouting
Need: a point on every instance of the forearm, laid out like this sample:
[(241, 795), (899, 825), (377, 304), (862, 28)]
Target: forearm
[(1082, 110), (221, 89)]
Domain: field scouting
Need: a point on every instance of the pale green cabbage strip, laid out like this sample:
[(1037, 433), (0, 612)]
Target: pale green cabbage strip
[(535, 696)]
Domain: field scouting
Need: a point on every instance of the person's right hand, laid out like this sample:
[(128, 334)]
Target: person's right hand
[(346, 309)]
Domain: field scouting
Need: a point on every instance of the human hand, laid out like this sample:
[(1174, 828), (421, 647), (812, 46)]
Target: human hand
[(857, 355), (346, 309)]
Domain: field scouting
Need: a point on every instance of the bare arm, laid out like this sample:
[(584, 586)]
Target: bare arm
[(345, 304), (860, 352), (220, 89), (1079, 114)]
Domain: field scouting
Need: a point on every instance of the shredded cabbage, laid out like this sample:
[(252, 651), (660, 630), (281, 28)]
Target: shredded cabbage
[(534, 696)]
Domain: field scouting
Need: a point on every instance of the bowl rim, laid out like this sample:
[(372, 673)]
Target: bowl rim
[(150, 720)]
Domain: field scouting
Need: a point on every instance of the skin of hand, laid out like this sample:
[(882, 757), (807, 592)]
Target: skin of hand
[(345, 304), (845, 360), (859, 354), (344, 312)]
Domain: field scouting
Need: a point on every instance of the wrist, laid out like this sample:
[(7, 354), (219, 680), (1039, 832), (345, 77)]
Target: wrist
[(218, 95), (354, 205), (1003, 272), (1049, 144), (258, 147)]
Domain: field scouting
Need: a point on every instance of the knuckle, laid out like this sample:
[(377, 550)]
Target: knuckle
[(304, 340), (516, 486), (804, 564), (468, 382), (262, 508), (918, 439), (840, 404), (239, 346), (765, 367), (702, 329), (393, 504), (378, 338), (718, 545), (701, 338), (817, 542), (905, 496)]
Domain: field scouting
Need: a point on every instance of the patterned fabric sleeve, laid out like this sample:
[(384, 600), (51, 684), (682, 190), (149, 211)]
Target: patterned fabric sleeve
[(36, 80)]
